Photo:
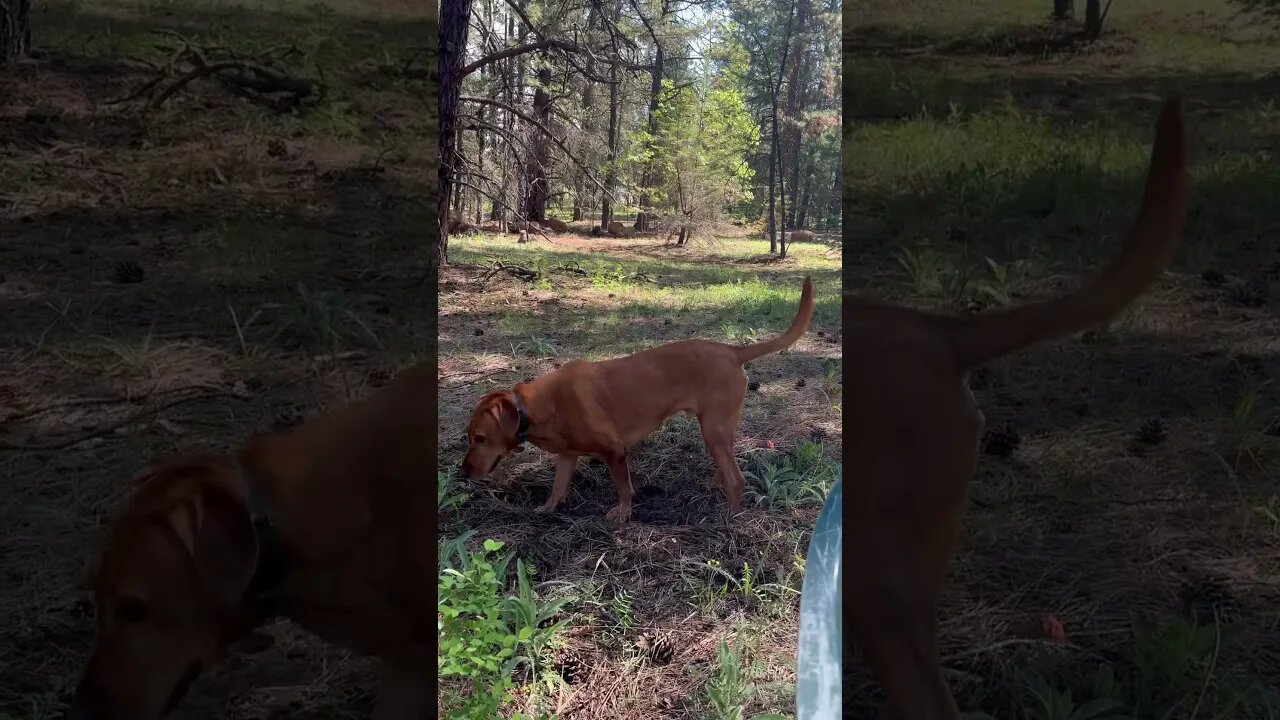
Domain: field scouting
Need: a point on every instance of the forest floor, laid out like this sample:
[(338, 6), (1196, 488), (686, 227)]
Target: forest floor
[(1127, 487), (652, 599), (177, 278)]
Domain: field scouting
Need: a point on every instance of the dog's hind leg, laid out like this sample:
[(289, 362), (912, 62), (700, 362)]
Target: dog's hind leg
[(718, 430), (402, 693), (897, 575), (900, 644), (621, 474)]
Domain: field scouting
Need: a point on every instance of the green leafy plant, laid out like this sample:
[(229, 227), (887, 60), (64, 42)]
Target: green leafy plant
[(780, 481), (997, 286), (1050, 703), (446, 498), (728, 691), (486, 638), (621, 606), (542, 347), (923, 266)]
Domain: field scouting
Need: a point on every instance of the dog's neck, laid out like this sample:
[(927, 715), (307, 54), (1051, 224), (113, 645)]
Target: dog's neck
[(261, 596), (522, 417)]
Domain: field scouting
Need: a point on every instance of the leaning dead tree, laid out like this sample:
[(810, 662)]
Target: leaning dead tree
[(15, 29), (258, 78), (516, 112)]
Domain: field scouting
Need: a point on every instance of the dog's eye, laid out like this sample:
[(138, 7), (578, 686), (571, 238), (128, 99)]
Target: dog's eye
[(479, 439), (131, 609)]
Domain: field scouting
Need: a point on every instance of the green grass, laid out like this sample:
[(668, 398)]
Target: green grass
[(633, 296), (669, 614)]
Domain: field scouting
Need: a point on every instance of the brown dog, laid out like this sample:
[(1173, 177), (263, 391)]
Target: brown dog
[(909, 462), (556, 224), (605, 408), (330, 524)]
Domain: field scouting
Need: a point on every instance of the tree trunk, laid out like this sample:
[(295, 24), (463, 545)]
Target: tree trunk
[(795, 108), (588, 118), (611, 180), (459, 197), (775, 141), (1093, 17), (535, 200), (1064, 9), (454, 20), (15, 30), (773, 153), (802, 211), (782, 202), (837, 200), (480, 166), (502, 211), (655, 94)]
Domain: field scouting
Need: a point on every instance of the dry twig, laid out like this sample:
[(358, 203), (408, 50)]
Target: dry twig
[(254, 79)]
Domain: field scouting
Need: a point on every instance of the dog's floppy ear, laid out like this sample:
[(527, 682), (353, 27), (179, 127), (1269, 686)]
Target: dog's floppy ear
[(217, 533), (504, 410)]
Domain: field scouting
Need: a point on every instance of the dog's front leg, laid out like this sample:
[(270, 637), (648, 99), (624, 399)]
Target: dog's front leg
[(622, 481), (402, 692), (560, 488)]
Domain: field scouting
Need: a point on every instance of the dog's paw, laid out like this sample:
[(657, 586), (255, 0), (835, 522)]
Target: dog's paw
[(619, 514), (545, 507)]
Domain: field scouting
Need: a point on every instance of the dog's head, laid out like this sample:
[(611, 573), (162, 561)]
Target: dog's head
[(168, 590), (491, 433)]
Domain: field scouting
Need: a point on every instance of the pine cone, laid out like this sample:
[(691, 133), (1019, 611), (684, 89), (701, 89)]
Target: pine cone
[(657, 647), (129, 272), (1001, 441), (286, 418), (1209, 598), (1213, 278), (571, 667), (1151, 433), (1252, 294)]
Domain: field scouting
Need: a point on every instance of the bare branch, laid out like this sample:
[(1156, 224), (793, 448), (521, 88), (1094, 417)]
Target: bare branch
[(545, 131), (540, 45)]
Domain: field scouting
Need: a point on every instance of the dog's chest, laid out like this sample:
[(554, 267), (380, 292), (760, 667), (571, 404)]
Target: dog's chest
[(368, 603)]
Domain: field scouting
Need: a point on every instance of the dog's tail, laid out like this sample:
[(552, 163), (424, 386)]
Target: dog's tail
[(1147, 251), (747, 353)]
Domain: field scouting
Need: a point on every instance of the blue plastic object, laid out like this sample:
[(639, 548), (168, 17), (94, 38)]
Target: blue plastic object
[(818, 662)]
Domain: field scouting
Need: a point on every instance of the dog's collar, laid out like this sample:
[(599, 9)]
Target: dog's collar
[(522, 417), (261, 596)]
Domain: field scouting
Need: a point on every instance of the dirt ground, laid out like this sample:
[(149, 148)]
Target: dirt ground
[(1127, 487), (674, 577), (179, 277)]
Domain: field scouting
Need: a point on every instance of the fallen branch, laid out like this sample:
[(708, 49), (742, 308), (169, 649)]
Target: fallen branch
[(251, 78), (112, 427), (519, 271), (479, 376), (84, 402)]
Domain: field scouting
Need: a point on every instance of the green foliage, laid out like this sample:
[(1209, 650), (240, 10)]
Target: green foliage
[(731, 689), (699, 149), (486, 638), (1173, 671), (1047, 702), (446, 498), (779, 481)]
